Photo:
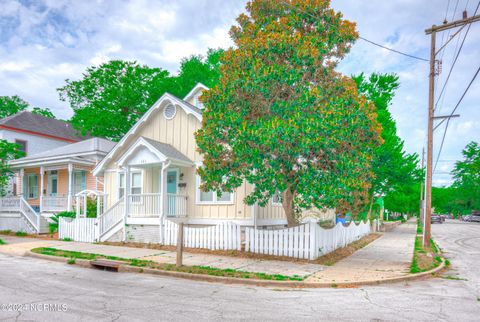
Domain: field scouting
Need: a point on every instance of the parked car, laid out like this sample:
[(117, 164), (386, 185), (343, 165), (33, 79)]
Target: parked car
[(466, 218), (475, 218), (436, 219)]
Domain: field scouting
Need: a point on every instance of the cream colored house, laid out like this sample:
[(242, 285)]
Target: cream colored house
[(150, 176)]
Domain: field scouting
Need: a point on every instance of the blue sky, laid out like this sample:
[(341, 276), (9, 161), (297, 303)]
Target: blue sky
[(44, 42)]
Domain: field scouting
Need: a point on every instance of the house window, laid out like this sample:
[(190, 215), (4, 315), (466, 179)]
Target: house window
[(135, 184), (210, 197), (31, 186), (136, 180), (121, 185), (277, 199), (22, 146), (79, 181)]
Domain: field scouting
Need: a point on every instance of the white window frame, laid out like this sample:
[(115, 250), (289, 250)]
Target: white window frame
[(214, 201), (141, 181), (119, 179), (276, 203), (27, 185)]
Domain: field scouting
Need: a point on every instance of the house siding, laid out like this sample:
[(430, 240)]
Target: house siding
[(179, 132)]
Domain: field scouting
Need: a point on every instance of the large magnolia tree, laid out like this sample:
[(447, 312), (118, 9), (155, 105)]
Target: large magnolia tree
[(282, 118)]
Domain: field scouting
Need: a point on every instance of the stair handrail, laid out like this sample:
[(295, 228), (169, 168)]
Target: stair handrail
[(28, 212), (105, 225)]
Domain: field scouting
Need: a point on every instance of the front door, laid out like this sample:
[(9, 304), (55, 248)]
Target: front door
[(53, 183), (171, 192)]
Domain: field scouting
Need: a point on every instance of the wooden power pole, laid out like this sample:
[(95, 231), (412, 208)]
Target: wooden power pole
[(422, 188), (431, 98)]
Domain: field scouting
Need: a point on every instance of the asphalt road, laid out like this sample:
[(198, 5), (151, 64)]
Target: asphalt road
[(91, 295)]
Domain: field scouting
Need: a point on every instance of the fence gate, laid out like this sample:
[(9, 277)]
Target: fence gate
[(79, 229)]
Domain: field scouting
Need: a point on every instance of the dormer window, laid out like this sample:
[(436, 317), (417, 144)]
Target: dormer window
[(197, 101)]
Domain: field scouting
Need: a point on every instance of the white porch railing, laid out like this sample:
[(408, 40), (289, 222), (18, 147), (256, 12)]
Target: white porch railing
[(10, 203), (176, 205), (54, 203), (149, 205), (111, 217), (18, 204), (144, 205)]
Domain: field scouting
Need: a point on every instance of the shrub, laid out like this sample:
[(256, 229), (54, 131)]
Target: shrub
[(53, 226), (71, 261), (21, 234), (2, 242)]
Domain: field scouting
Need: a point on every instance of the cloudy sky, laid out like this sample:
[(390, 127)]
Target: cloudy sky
[(44, 42)]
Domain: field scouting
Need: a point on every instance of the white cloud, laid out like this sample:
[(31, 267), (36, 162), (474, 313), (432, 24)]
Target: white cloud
[(44, 42)]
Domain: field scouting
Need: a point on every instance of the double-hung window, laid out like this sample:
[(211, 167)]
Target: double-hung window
[(31, 186), (211, 197), (277, 199), (79, 181), (135, 183)]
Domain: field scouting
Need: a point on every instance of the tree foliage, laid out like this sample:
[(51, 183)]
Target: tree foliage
[(198, 69), (393, 167), (43, 111), (110, 98), (463, 196), (8, 151), (282, 118), (10, 105)]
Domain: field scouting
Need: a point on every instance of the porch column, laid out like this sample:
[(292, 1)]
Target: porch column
[(69, 197), (127, 201), (21, 183), (42, 172)]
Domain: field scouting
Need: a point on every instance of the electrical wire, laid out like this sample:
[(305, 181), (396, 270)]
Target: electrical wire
[(453, 111), (455, 61), (365, 39)]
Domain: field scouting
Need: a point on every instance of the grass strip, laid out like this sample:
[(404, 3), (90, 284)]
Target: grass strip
[(204, 270), (424, 258)]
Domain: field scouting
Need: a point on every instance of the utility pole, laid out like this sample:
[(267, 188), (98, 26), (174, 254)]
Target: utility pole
[(431, 98), (422, 187)]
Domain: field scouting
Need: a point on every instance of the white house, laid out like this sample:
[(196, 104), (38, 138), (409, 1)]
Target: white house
[(35, 134), (150, 175)]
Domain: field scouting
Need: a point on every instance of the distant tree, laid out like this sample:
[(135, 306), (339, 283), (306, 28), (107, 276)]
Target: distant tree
[(8, 151), (467, 177), (110, 98), (396, 172), (10, 105), (43, 111), (198, 69), (282, 118)]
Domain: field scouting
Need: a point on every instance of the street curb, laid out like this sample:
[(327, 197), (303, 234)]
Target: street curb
[(241, 281)]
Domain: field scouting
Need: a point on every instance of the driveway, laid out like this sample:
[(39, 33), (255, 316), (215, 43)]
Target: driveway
[(91, 295)]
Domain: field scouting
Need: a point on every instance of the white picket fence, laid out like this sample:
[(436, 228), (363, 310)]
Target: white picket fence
[(308, 241), (79, 229), (224, 236)]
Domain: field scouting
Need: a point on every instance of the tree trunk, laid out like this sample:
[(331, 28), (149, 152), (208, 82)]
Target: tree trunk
[(287, 203), (370, 210)]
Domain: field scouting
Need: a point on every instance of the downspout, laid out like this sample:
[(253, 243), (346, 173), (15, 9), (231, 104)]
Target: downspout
[(165, 165)]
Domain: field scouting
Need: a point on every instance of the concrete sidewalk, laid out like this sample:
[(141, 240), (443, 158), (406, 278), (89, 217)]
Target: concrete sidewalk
[(386, 257)]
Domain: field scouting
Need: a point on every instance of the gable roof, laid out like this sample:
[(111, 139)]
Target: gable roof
[(194, 90), (163, 101), (78, 150), (168, 150), (26, 121)]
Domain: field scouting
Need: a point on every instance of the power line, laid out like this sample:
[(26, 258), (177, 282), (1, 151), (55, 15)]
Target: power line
[(391, 49), (455, 60), (363, 38), (448, 121)]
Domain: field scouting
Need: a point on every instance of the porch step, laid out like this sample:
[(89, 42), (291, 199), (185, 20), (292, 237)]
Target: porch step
[(105, 264)]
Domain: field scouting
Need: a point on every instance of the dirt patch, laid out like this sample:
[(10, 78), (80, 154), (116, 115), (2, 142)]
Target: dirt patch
[(424, 258), (41, 236), (341, 253), (328, 259)]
